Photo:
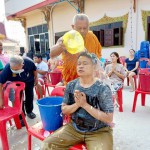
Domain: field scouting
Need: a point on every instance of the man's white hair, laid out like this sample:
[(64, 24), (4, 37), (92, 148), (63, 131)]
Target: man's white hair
[(16, 60), (80, 17)]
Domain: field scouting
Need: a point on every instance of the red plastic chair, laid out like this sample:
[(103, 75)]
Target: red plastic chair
[(41, 81), (78, 147), (4, 85), (58, 91), (135, 81), (54, 77), (38, 131), (143, 87), (120, 99), (8, 112), (122, 59)]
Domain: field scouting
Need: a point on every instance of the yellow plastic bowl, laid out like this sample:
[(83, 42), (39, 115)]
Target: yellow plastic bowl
[(73, 41)]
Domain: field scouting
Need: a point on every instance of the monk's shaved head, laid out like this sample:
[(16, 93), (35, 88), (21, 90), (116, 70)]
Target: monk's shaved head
[(80, 17)]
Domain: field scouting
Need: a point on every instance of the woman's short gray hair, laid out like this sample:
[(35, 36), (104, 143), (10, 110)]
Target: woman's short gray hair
[(16, 60), (80, 17)]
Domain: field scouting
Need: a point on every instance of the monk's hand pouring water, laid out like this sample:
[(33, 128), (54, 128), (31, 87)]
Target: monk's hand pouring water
[(80, 98)]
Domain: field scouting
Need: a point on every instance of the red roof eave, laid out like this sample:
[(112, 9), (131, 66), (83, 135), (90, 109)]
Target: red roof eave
[(39, 5)]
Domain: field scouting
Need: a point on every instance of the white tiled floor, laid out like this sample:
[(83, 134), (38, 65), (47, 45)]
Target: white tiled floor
[(131, 131)]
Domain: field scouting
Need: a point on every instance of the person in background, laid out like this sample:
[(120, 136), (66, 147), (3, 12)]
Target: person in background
[(47, 54), (1, 66), (3, 57), (24, 70), (20, 54), (91, 43), (52, 64), (55, 65), (131, 66), (30, 54), (89, 103), (116, 73), (42, 69), (5, 60)]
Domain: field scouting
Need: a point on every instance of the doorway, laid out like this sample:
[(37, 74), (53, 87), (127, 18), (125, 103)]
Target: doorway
[(148, 28), (37, 43)]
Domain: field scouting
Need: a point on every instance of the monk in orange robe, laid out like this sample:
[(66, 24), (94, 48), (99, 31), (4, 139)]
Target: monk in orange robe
[(91, 43)]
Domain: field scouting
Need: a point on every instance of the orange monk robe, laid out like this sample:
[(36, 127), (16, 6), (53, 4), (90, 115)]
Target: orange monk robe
[(92, 45)]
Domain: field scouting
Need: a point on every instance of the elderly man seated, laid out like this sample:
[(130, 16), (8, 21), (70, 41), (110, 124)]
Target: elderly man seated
[(42, 69)]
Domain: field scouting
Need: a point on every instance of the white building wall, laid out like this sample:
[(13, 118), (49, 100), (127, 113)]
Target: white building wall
[(141, 5), (62, 17), (35, 19), (63, 13), (15, 31)]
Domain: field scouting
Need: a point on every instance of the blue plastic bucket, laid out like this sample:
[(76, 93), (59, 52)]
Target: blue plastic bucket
[(50, 112)]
